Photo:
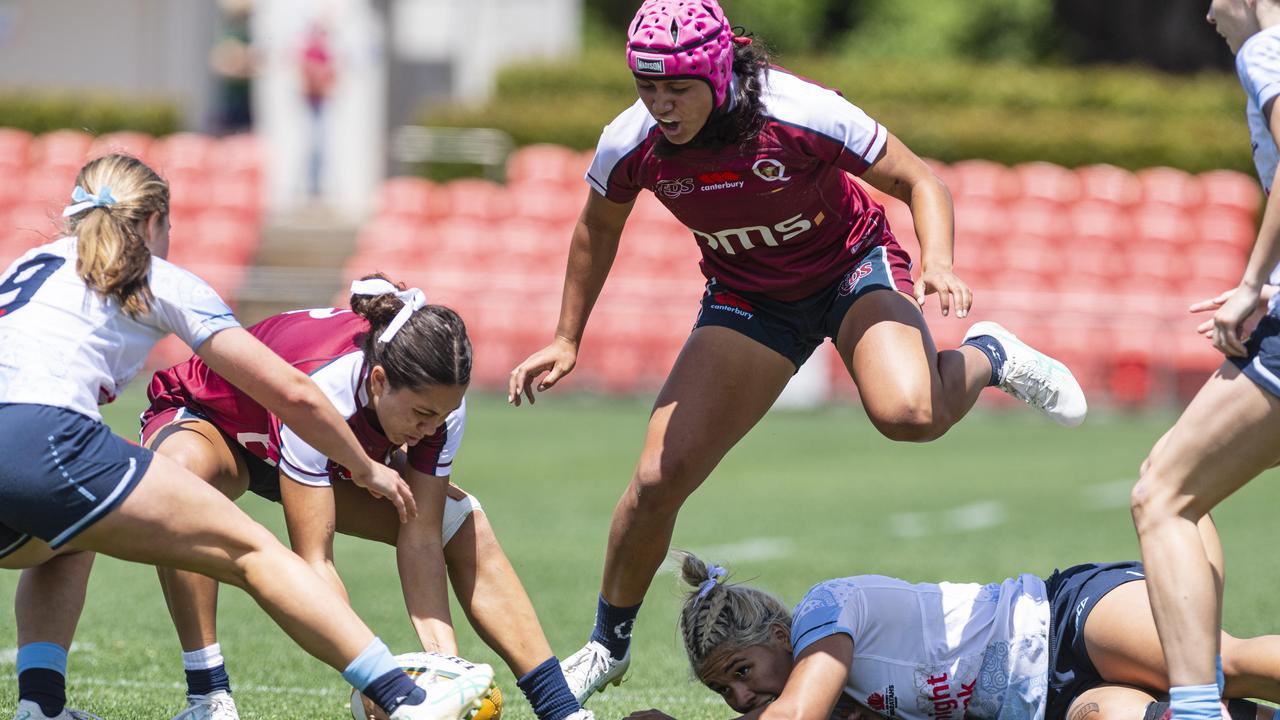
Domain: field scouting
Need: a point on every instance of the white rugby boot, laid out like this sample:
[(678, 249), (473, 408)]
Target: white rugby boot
[(581, 714), (28, 710), (217, 705), (1035, 378), (454, 699), (592, 668)]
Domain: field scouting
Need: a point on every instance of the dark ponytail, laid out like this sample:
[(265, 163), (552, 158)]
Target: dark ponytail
[(432, 348)]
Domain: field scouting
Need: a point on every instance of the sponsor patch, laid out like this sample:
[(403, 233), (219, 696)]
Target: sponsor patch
[(653, 66), (850, 282), (770, 170), (674, 188)]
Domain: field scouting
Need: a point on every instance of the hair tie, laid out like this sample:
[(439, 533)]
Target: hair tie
[(740, 40), (81, 200), (413, 298), (715, 575)]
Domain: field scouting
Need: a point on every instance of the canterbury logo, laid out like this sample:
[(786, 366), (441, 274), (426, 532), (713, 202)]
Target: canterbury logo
[(719, 177)]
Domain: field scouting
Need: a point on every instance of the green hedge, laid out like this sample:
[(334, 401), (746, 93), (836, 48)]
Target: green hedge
[(38, 113), (950, 111)]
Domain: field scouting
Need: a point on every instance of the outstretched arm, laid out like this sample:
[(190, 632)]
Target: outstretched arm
[(420, 559)]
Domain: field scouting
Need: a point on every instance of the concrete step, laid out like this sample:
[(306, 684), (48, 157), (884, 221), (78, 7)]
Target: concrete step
[(298, 265)]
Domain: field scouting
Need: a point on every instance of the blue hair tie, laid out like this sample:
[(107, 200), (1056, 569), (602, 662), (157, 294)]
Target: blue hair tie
[(715, 575), (81, 200)]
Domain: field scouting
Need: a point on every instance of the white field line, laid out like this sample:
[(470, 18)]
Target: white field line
[(1107, 495), (966, 518)]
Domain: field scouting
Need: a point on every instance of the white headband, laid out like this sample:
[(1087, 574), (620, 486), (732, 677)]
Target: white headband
[(413, 299)]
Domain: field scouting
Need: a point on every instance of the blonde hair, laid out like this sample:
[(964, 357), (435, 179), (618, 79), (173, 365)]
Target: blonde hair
[(721, 616), (112, 253)]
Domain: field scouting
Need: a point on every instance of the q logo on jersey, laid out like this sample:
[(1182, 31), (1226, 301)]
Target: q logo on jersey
[(770, 170), (674, 188)]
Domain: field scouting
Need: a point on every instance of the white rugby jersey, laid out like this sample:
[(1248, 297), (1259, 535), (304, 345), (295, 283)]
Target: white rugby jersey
[(937, 651), (1258, 64), (65, 345)]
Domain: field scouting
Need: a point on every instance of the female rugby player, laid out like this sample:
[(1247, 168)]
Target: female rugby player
[(758, 163)]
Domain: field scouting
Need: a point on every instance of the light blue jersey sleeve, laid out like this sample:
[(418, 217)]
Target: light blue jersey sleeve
[(185, 305), (827, 609)]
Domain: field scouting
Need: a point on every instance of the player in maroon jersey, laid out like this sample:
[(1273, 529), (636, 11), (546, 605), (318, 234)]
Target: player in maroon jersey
[(397, 369), (757, 163)]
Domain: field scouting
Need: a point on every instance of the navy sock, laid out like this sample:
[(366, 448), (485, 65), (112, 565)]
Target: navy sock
[(44, 687), (203, 682), (613, 627), (393, 689), (994, 351), (547, 691)]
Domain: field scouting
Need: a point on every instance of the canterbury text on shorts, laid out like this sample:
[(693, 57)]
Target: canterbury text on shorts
[(795, 329), (264, 478), (1073, 593), (1261, 364), (63, 471)]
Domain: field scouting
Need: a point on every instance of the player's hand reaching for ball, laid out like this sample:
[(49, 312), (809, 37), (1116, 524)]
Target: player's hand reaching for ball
[(384, 482), (556, 360), (953, 293)]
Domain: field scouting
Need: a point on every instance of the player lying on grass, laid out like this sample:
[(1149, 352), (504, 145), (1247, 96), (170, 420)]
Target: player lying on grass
[(78, 316), (397, 369), (1080, 645)]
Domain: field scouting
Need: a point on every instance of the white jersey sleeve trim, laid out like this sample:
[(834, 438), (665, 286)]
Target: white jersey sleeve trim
[(338, 381), (800, 103), (455, 426), (620, 138)]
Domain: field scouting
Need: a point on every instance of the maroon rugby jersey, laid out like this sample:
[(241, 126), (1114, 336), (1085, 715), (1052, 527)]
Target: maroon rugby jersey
[(323, 344), (778, 215)]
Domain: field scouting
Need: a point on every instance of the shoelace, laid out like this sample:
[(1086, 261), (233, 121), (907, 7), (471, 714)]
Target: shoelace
[(221, 703), (595, 656), (1041, 392)]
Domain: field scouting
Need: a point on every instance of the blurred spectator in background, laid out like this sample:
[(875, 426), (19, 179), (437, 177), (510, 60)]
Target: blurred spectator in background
[(234, 63), (318, 75)]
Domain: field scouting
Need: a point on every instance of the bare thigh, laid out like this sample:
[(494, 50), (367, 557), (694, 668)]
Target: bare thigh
[(201, 448), (175, 519), (1227, 436), (361, 515)]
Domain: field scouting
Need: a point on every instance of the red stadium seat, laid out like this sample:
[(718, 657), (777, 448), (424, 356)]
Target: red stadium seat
[(37, 218), (184, 152), (479, 199), (243, 152), (1040, 217), (15, 146), (408, 196), (1225, 227), (1046, 181), (1165, 223), (551, 165), (1093, 220), (1108, 183), (551, 204), (983, 179), (1169, 186), (1231, 189), (979, 217), (61, 149), (130, 143)]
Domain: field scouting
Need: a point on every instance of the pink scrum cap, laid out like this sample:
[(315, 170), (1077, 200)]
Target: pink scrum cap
[(682, 38)]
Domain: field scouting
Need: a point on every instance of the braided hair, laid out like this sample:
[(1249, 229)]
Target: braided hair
[(718, 616)]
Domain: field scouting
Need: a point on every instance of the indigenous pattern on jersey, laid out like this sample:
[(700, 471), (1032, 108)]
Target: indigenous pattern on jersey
[(324, 343), (939, 651), (778, 215), (65, 345), (1258, 64)]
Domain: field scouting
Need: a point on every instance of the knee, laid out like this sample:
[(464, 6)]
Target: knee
[(912, 420), (662, 483), (1155, 499)]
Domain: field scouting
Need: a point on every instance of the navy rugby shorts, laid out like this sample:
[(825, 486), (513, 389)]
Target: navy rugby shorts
[(1073, 593), (62, 472), (1262, 363), (795, 329)]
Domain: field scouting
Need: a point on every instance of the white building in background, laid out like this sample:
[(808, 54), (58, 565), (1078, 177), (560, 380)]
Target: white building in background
[(390, 57)]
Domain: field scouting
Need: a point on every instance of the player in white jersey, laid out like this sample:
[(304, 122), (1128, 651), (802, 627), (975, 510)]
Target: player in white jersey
[(1230, 432), (1078, 644), (77, 319)]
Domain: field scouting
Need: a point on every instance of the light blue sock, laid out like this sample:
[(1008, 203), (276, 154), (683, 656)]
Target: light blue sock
[(1195, 702), (1222, 679), (44, 656), (373, 663)]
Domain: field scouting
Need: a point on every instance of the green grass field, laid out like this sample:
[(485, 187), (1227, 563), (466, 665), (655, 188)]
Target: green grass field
[(805, 497)]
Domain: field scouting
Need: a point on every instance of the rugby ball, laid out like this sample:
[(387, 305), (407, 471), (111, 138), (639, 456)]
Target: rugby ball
[(426, 668)]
